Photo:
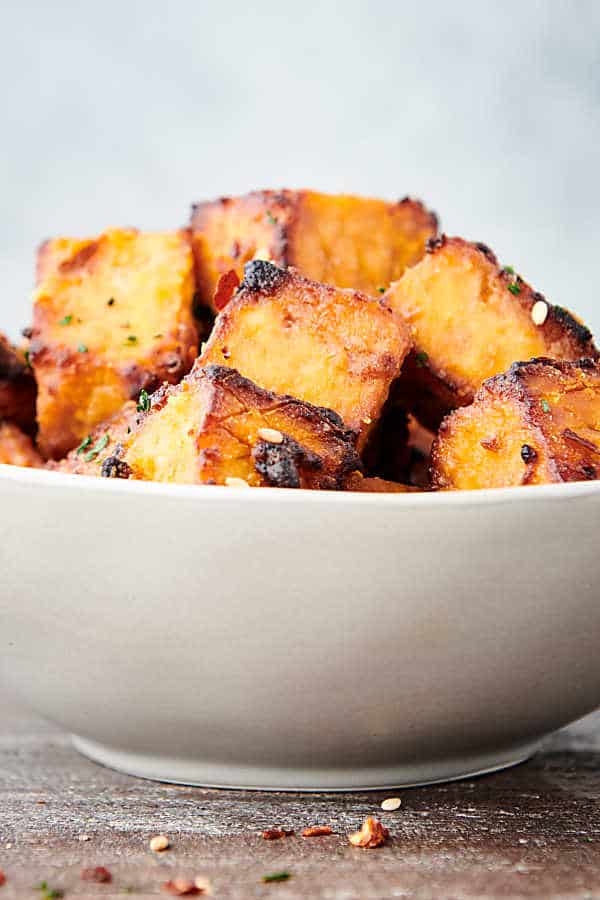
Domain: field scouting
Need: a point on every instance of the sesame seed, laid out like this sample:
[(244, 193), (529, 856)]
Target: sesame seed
[(367, 420), (539, 312), (236, 482), (270, 434), (159, 843), (391, 804)]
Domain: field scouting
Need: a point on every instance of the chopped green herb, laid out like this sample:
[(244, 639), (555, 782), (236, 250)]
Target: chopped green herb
[(509, 270), (27, 358), (271, 218), (84, 444), (110, 302), (514, 288), (381, 290), (82, 348), (97, 448), (421, 359), (131, 339), (66, 321), (276, 876), (47, 892), (545, 406), (143, 404)]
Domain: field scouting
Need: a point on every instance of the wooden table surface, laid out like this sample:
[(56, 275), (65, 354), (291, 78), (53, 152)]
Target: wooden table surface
[(532, 831)]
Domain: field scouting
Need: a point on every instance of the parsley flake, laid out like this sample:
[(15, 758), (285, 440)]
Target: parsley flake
[(84, 445), (381, 290), (276, 876), (421, 359), (82, 348), (271, 218), (110, 302), (514, 288), (144, 403), (545, 405), (509, 270), (48, 893), (27, 359), (97, 448), (131, 339), (66, 321)]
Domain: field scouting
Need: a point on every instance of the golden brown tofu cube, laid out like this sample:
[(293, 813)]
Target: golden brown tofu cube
[(112, 315), (216, 427), (17, 387), (16, 447), (538, 423), (327, 346), (470, 320), (351, 242), (102, 444)]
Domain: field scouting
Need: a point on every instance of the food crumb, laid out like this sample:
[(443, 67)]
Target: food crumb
[(317, 831), (99, 874), (391, 804), (159, 843), (273, 834), (83, 837), (180, 887), (372, 834)]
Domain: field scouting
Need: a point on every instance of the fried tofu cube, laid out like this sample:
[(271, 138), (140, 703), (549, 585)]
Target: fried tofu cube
[(217, 427), (330, 347), (536, 424), (97, 451), (112, 316), (17, 448), (470, 320), (17, 387), (350, 242)]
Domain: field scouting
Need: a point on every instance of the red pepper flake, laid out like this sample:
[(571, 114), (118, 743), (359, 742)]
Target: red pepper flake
[(317, 831), (273, 834), (2, 878), (227, 285), (181, 887), (99, 874)]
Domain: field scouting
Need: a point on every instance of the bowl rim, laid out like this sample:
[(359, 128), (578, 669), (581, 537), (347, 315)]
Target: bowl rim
[(30, 477)]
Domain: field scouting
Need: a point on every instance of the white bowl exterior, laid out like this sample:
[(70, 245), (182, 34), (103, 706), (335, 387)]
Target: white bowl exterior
[(321, 639)]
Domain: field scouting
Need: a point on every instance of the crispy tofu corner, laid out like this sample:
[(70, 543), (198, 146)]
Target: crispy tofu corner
[(112, 316), (17, 448), (471, 319), (327, 346), (344, 240), (219, 428), (17, 387), (539, 423)]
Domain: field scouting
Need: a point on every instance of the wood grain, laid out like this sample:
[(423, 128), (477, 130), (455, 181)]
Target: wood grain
[(532, 831)]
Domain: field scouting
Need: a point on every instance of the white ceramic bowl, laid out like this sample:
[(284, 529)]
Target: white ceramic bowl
[(292, 639)]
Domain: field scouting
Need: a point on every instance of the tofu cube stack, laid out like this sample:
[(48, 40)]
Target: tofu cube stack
[(350, 347)]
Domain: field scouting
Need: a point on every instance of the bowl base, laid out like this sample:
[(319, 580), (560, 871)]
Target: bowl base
[(268, 778)]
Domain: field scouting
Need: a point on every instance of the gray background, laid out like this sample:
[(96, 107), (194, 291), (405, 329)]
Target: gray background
[(125, 112)]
